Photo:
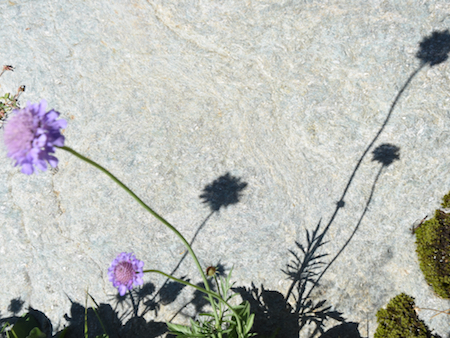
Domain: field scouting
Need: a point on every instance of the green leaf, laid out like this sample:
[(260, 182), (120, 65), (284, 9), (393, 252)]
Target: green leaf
[(36, 333), (178, 329), (63, 333), (98, 316), (249, 324), (4, 327), (24, 326)]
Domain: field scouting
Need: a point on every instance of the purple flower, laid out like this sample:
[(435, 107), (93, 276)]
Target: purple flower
[(125, 271), (31, 135)]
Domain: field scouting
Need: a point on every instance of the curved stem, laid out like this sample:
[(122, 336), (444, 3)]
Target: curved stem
[(209, 293), (150, 210)]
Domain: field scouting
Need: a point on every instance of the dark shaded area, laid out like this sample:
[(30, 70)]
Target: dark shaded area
[(44, 323), (76, 320), (435, 48), (224, 191), (386, 154), (144, 292), (134, 327), (273, 315), (139, 297), (199, 300), (147, 299), (344, 330), (169, 292), (273, 312), (305, 266), (16, 305)]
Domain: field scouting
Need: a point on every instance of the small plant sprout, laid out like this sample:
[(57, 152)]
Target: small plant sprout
[(8, 102)]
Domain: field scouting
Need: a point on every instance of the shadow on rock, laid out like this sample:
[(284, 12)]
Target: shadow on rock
[(274, 315), (224, 191), (33, 318), (344, 330), (135, 327)]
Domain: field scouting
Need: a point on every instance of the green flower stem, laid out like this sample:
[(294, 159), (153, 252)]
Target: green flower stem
[(146, 207), (218, 286), (208, 292)]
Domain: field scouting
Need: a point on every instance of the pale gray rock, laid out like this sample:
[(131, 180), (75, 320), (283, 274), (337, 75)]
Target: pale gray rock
[(283, 96)]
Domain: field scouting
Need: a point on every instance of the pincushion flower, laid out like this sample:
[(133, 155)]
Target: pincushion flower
[(126, 271), (31, 135)]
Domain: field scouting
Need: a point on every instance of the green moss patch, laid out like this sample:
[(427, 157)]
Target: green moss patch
[(400, 320), (446, 201), (433, 250)]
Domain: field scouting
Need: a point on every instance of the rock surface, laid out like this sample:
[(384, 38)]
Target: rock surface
[(245, 124)]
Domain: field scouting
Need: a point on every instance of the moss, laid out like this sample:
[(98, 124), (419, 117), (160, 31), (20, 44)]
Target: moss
[(433, 250), (446, 201), (399, 320)]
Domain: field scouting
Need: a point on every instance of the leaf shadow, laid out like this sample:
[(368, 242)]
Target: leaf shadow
[(136, 326)]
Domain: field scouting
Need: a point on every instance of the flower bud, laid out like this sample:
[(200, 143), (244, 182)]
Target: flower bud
[(211, 271)]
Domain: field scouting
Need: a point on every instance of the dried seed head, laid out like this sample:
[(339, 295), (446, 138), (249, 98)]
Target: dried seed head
[(211, 271)]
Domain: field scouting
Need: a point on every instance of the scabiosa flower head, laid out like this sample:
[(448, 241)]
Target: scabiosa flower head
[(31, 135), (125, 271)]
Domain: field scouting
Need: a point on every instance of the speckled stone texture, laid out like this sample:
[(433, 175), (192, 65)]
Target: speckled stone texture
[(246, 124)]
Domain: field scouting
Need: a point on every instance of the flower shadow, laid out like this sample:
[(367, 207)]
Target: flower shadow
[(434, 49), (224, 191)]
